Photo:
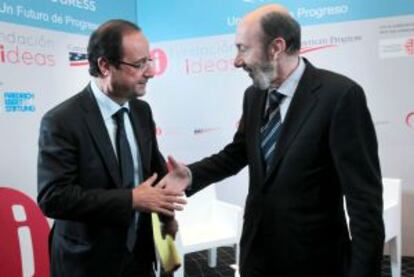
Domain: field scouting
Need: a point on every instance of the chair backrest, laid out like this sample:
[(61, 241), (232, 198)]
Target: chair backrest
[(199, 207), (24, 234), (392, 208), (391, 192)]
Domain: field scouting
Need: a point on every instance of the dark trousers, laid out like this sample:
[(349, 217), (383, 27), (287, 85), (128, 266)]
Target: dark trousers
[(258, 263), (137, 264)]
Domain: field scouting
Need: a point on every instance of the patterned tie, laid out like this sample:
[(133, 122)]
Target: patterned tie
[(270, 130), (126, 168)]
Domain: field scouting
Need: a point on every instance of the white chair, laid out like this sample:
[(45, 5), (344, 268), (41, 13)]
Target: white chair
[(236, 270), (207, 223), (391, 196), (392, 221)]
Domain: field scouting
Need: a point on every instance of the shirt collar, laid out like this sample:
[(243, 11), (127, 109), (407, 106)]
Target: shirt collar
[(289, 86), (107, 106)]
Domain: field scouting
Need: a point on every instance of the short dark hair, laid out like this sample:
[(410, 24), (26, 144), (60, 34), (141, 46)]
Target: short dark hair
[(276, 24), (106, 42)]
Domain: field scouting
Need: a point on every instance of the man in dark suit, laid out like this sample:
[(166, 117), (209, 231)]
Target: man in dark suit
[(308, 139), (94, 150)]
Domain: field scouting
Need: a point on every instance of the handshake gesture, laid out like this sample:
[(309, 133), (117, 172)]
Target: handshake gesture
[(167, 195)]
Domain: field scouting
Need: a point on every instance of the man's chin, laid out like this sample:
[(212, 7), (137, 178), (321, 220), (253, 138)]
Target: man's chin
[(139, 93), (260, 85), (140, 90)]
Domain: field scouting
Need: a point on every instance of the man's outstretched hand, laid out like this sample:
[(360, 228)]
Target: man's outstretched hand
[(178, 179), (149, 198)]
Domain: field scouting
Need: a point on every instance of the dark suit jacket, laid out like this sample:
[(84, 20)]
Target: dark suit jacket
[(327, 149), (79, 185)]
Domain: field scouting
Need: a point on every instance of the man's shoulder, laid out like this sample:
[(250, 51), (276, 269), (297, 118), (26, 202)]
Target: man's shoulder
[(333, 86), (252, 92), (330, 78), (140, 106), (70, 107), (140, 102), (335, 78)]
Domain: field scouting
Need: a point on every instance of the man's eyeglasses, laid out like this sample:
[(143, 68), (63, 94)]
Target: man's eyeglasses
[(142, 65)]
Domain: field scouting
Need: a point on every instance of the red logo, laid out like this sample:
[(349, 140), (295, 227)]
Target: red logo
[(304, 50), (160, 60), (409, 119), (20, 56), (409, 46), (24, 232), (158, 131)]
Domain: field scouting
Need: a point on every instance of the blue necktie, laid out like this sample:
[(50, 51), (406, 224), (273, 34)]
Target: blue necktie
[(126, 168), (271, 128)]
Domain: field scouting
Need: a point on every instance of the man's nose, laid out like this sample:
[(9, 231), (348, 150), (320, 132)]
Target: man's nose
[(149, 72), (238, 61)]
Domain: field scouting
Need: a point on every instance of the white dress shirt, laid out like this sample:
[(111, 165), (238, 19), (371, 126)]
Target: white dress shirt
[(288, 88), (108, 108)]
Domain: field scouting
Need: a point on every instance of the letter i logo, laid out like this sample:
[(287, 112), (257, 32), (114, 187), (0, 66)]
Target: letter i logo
[(160, 61), (24, 235), (2, 55)]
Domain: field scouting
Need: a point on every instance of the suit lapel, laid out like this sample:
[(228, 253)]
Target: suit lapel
[(141, 134), (98, 131), (303, 102)]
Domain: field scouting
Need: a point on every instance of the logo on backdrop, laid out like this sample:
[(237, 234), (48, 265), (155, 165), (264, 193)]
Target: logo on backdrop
[(24, 229), (18, 102), (304, 50), (180, 131), (409, 46), (160, 60), (396, 47), (202, 131), (27, 50), (158, 131), (409, 120), (203, 57), (320, 43), (219, 57), (15, 55), (78, 59)]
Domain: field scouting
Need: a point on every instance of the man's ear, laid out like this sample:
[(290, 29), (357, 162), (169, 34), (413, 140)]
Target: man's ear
[(276, 47), (103, 65)]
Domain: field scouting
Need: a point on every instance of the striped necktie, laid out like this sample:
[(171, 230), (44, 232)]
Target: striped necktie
[(270, 131)]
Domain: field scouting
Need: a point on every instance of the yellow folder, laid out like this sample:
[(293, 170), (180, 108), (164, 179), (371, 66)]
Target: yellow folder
[(165, 247)]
